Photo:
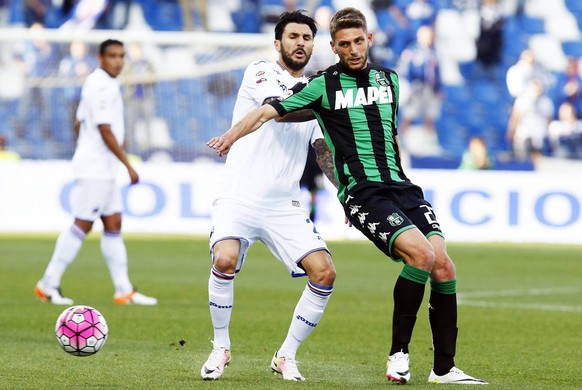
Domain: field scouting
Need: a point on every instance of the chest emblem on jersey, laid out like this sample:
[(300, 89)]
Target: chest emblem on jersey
[(261, 80), (260, 73), (394, 219), (381, 79)]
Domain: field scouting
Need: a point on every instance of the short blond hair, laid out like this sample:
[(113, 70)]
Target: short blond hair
[(347, 18)]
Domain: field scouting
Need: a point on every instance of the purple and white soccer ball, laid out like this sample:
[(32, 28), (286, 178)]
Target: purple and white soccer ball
[(81, 330)]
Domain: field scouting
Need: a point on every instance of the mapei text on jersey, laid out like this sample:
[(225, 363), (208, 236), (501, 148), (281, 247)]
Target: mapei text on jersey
[(346, 99)]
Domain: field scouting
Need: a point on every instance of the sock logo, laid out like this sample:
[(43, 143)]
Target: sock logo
[(307, 322), (219, 306)]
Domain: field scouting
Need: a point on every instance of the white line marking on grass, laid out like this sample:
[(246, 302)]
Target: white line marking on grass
[(467, 299), (534, 306), (529, 291)]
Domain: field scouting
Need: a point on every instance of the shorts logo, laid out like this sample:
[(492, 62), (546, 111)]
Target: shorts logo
[(372, 227), (384, 237), (362, 217), (395, 219), (295, 203), (354, 209), (349, 198)]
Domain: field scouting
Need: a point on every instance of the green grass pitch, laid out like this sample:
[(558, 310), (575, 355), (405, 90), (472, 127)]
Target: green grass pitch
[(520, 318)]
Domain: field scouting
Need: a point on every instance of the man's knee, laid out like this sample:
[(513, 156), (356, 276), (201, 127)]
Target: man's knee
[(319, 268)]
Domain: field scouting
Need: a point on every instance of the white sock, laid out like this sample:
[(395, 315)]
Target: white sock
[(221, 298), (308, 312), (115, 254), (67, 247)]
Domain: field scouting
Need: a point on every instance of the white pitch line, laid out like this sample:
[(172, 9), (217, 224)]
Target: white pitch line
[(534, 306), (523, 292), (466, 299)]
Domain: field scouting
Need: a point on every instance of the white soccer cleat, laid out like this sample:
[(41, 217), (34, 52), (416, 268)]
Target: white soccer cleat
[(286, 367), (398, 368), (217, 361), (455, 376), (134, 298), (52, 295)]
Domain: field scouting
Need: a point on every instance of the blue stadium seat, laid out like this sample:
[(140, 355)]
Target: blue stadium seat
[(531, 25), (572, 48)]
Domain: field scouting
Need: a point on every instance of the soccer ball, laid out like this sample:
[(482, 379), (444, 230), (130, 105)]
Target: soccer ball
[(81, 330)]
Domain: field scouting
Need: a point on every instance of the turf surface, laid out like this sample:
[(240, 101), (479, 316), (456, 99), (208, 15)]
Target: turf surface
[(519, 317)]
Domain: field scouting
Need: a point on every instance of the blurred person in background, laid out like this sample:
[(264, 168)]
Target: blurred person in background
[(34, 113), (490, 40), (565, 133), (140, 98), (527, 130), (100, 129), (568, 86), (419, 66), (520, 75), (73, 69), (36, 11), (476, 157)]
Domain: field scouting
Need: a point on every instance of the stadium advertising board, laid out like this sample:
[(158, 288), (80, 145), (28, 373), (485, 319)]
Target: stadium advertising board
[(177, 199)]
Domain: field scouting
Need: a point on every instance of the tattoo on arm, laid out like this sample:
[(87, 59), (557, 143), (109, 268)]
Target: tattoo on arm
[(325, 160)]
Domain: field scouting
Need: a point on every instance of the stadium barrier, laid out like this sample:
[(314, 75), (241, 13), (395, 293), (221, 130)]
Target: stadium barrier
[(176, 198)]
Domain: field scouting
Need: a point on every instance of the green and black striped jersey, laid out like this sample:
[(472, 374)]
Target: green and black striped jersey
[(358, 113)]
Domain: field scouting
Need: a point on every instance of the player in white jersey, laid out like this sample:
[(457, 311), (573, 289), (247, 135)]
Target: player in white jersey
[(259, 200), (101, 132)]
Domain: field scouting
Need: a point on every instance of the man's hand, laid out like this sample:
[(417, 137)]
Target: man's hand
[(134, 177), (221, 144)]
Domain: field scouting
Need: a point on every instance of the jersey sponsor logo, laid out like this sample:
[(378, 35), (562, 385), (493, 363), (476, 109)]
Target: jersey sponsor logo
[(394, 219), (260, 73), (363, 97), (261, 80), (295, 203)]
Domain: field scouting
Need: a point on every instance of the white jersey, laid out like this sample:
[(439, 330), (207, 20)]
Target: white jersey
[(263, 169), (101, 103)]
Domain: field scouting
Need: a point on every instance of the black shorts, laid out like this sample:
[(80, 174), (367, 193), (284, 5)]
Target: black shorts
[(382, 212)]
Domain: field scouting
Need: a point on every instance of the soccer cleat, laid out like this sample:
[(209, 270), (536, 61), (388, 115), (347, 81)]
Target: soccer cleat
[(286, 367), (455, 376), (217, 361), (52, 295), (398, 368), (134, 298)]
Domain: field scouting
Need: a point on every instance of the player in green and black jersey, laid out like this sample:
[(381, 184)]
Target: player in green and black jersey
[(356, 104)]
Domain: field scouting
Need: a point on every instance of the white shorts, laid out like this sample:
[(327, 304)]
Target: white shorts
[(289, 234), (92, 199)]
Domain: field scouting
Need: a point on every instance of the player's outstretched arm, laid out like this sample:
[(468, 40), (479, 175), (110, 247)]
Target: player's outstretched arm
[(251, 122)]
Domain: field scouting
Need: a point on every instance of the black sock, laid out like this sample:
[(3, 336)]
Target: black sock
[(408, 296), (442, 315)]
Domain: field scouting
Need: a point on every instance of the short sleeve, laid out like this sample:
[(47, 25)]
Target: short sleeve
[(260, 82)]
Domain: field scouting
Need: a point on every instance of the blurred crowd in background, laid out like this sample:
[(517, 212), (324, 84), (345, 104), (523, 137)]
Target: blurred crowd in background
[(485, 84)]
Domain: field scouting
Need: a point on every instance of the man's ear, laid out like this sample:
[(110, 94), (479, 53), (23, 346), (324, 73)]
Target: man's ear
[(277, 45)]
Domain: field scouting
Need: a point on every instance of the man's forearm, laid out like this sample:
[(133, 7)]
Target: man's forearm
[(324, 159)]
